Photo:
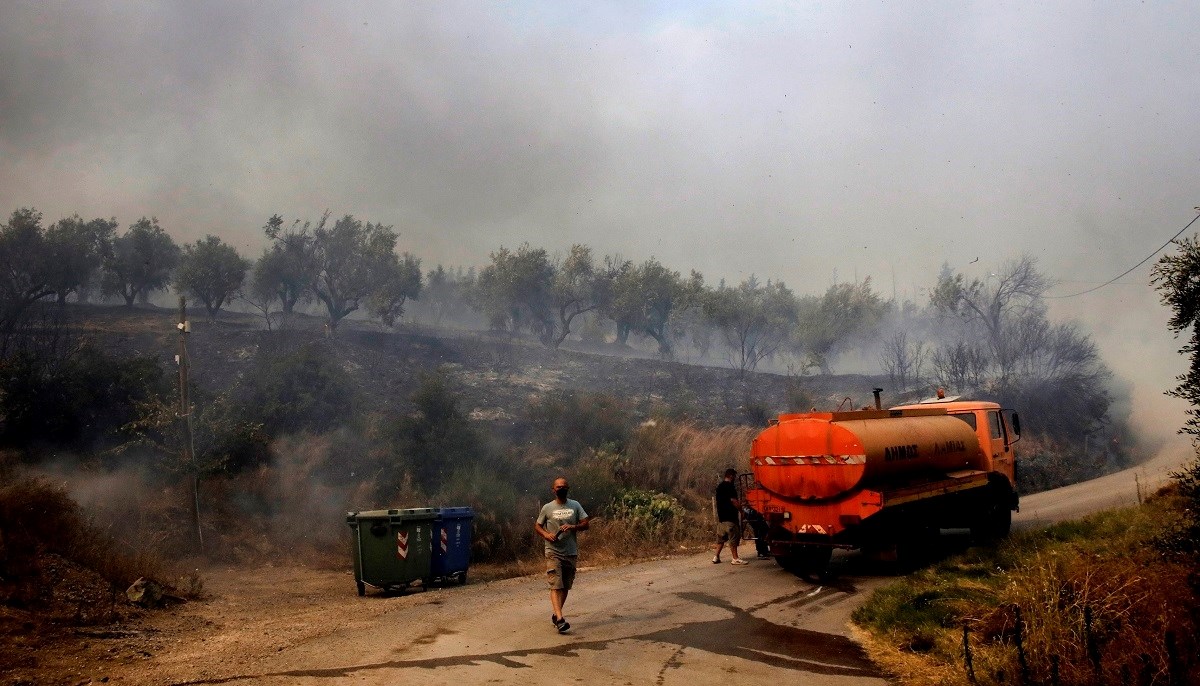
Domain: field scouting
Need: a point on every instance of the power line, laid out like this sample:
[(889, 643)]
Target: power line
[(1160, 249)]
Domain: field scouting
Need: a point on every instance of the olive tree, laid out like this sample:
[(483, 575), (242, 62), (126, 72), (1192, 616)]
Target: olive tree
[(643, 299), (831, 322), (755, 320), (356, 261), (212, 271), (25, 265), (141, 261), (77, 250), (400, 282), (576, 288), (514, 291), (288, 266), (1177, 278)]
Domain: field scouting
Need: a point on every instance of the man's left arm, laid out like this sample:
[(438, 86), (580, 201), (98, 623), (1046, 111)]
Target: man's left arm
[(584, 519)]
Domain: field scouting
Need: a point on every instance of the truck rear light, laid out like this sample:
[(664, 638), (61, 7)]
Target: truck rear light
[(787, 516)]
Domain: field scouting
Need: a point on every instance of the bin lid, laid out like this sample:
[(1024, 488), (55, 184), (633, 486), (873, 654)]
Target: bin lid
[(455, 512), (411, 514), (392, 514)]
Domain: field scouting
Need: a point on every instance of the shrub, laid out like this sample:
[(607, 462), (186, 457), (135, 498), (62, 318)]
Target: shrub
[(648, 512), (48, 540), (685, 460), (299, 390), (1093, 599), (73, 398), (568, 423), (1181, 540), (427, 446)]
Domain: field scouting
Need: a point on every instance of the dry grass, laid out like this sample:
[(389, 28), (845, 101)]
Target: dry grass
[(58, 568), (1094, 600), (619, 539), (685, 460)]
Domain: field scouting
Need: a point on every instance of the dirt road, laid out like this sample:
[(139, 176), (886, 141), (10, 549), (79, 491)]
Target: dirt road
[(675, 621)]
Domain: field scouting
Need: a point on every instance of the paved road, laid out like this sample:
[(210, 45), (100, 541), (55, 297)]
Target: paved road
[(680, 621), (1123, 488)]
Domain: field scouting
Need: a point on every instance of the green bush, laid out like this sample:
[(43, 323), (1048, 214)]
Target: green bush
[(76, 398), (299, 390), (648, 511), (568, 423), (427, 446)]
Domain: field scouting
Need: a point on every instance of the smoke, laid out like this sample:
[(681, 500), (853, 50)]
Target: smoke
[(793, 141)]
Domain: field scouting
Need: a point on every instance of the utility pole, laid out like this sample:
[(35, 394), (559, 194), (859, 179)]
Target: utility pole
[(185, 414)]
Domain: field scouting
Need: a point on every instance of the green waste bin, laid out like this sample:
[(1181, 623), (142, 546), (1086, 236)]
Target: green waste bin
[(391, 548)]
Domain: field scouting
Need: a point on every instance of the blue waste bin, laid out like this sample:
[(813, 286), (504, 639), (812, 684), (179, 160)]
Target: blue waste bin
[(451, 544)]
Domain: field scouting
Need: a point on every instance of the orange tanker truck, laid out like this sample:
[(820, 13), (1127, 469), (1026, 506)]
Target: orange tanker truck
[(880, 479)]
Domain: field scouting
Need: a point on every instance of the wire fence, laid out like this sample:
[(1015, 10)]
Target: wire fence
[(1169, 668)]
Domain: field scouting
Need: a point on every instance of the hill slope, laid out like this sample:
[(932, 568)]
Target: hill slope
[(496, 376)]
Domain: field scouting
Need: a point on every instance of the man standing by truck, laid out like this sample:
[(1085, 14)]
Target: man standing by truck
[(729, 527), (557, 524)]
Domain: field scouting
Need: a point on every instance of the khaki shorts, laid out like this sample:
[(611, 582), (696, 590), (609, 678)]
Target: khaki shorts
[(560, 571), (729, 531)]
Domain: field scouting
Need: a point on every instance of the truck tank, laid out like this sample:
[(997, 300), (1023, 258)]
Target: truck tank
[(819, 456)]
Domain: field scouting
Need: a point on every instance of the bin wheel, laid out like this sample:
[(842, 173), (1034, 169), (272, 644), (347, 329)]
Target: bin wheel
[(462, 579), (362, 588)]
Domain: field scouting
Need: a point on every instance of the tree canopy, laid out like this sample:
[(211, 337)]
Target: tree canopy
[(212, 271), (755, 320), (288, 267), (25, 265), (1177, 278), (141, 261), (354, 260), (77, 250)]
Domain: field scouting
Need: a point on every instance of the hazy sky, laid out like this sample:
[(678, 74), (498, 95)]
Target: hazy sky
[(808, 142)]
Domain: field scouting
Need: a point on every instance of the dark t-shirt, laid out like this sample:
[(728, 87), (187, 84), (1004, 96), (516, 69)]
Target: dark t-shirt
[(726, 492)]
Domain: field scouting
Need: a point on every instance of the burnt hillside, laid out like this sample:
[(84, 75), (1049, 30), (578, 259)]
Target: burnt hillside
[(495, 376)]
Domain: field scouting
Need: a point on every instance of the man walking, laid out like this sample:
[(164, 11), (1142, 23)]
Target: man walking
[(557, 524), (729, 527)]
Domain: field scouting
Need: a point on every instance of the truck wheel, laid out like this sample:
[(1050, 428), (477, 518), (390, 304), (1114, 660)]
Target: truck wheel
[(916, 547), (807, 560), (993, 523)]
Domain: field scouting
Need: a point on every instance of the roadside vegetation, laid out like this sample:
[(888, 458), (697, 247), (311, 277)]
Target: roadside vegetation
[(1113, 598), (1100, 600)]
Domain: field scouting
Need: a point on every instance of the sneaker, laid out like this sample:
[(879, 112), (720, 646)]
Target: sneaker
[(716, 560), (554, 619), (563, 626), (738, 561), (763, 556)]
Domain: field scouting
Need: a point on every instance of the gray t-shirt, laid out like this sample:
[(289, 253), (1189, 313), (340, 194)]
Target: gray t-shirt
[(553, 516)]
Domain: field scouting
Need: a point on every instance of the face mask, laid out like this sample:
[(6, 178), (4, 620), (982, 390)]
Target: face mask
[(560, 492)]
